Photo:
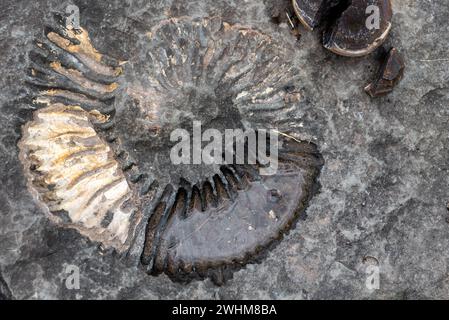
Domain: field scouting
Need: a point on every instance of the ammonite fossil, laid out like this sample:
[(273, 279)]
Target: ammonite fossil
[(97, 152)]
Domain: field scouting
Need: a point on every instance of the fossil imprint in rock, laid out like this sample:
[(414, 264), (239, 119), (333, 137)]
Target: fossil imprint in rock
[(97, 152)]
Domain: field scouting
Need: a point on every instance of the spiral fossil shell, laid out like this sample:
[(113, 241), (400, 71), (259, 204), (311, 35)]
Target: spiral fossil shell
[(97, 151)]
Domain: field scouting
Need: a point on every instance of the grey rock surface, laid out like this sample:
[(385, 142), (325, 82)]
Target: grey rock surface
[(384, 183)]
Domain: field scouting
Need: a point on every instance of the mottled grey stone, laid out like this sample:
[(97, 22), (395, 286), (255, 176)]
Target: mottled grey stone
[(384, 183)]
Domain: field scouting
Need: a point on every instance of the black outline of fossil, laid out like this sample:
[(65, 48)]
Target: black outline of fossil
[(81, 86)]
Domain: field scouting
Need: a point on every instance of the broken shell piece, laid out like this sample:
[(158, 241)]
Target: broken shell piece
[(312, 12), (73, 173), (355, 33), (390, 74)]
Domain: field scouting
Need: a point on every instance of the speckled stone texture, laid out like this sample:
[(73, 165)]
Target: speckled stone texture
[(384, 183)]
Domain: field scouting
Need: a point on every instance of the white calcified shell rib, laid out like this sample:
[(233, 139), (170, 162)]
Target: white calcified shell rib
[(73, 172)]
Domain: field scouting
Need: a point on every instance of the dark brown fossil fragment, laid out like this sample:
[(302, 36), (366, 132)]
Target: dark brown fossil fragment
[(353, 28), (311, 13), (98, 150), (350, 35), (389, 75)]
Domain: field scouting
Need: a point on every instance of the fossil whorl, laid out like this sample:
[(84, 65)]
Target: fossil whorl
[(226, 76), (196, 220), (74, 173)]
